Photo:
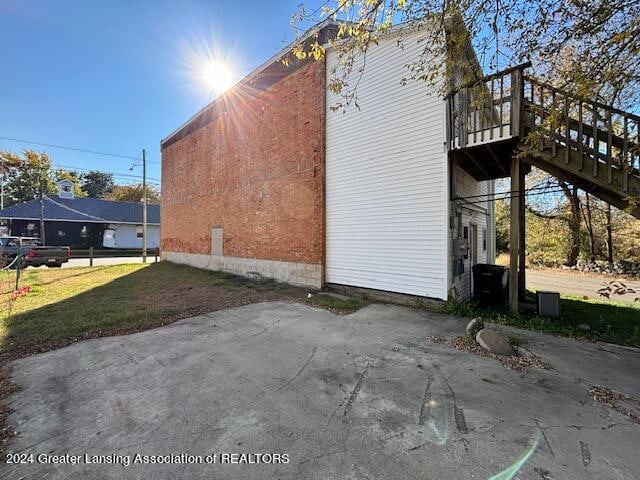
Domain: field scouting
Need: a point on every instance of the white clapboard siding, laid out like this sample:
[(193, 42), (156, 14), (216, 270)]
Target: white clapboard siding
[(386, 179)]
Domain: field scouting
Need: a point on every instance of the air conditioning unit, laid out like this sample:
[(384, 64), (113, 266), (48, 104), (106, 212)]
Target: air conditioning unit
[(548, 304)]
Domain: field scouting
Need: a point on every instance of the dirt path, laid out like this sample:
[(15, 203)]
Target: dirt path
[(576, 283)]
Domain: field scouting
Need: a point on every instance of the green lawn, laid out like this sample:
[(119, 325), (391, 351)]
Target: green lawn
[(609, 321), (337, 305), (66, 305)]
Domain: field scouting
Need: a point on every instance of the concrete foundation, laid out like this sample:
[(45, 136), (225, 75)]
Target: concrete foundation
[(302, 274)]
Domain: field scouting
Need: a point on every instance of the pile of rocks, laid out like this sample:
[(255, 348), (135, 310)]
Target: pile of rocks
[(488, 343), (490, 340), (622, 267)]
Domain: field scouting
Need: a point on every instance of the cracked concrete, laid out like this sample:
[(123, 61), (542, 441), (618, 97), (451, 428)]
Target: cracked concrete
[(357, 396)]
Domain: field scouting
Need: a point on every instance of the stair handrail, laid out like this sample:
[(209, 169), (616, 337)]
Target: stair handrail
[(583, 130), (489, 77), (474, 112), (573, 96)]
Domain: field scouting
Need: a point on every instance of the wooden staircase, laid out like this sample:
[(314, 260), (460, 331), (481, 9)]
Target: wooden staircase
[(593, 146)]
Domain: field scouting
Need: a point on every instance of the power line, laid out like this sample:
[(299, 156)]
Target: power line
[(525, 193), (540, 186), (75, 149), (115, 174), (126, 176), (95, 152)]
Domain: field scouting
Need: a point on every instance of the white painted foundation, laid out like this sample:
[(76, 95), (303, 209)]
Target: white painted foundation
[(302, 274)]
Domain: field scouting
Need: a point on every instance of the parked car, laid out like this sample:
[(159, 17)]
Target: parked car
[(10, 248), (49, 256), (31, 252)]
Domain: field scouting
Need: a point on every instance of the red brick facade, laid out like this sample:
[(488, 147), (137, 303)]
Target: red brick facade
[(255, 167)]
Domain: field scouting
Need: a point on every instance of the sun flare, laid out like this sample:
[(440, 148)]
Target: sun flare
[(217, 76)]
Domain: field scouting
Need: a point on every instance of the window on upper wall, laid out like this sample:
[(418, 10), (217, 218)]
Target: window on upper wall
[(484, 239), (139, 233)]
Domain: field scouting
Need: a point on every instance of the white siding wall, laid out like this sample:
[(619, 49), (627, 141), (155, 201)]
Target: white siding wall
[(387, 179), (125, 236), (480, 214)]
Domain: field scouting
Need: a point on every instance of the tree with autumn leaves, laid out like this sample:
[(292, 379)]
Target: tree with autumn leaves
[(588, 48), (24, 174)]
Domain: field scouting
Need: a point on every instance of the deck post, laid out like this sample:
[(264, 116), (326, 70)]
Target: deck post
[(522, 287), (514, 234)]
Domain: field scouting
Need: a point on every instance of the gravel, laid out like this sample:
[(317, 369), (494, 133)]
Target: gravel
[(513, 362)]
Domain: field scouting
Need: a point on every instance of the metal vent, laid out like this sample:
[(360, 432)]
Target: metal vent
[(548, 304)]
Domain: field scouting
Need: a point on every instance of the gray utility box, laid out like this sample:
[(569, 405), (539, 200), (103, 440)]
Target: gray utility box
[(548, 304), (460, 247)]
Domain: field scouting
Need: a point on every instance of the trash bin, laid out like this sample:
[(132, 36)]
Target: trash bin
[(490, 284)]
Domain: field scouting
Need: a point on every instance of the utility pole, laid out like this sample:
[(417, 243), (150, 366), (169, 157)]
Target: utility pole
[(144, 206), (41, 189), (2, 185)]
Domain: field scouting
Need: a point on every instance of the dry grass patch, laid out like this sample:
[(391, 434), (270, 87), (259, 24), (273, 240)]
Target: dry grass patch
[(72, 304)]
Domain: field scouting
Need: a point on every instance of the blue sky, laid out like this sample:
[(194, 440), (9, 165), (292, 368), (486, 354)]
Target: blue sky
[(118, 76)]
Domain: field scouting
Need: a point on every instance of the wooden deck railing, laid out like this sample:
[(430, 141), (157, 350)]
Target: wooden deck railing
[(583, 129), (487, 109), (511, 104)]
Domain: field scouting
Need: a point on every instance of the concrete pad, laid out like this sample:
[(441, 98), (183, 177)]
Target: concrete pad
[(357, 396)]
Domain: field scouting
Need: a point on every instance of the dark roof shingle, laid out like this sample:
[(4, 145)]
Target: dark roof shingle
[(95, 210)]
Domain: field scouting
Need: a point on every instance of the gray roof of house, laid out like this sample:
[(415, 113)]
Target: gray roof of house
[(94, 210)]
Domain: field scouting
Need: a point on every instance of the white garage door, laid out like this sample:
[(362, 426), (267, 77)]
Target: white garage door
[(386, 181)]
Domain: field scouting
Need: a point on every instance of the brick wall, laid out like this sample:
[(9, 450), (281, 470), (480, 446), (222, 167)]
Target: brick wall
[(256, 169)]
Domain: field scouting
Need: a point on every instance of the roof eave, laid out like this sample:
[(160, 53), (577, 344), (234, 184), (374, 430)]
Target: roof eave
[(255, 72), (106, 222)]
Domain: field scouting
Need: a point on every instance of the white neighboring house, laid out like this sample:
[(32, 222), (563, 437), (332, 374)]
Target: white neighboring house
[(84, 222), (123, 235)]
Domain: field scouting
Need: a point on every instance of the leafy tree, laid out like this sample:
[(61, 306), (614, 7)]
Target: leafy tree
[(554, 236), (97, 184), (26, 175), (8, 161), (133, 193), (502, 226), (599, 37)]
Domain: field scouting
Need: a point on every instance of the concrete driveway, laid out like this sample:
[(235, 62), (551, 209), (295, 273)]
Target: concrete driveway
[(358, 396)]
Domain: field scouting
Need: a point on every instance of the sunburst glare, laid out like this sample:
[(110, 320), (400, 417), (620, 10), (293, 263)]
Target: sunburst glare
[(217, 76)]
